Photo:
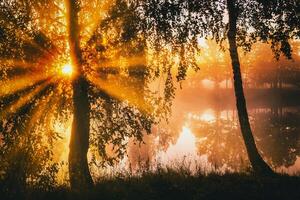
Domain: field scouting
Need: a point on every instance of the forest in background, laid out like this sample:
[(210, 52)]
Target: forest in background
[(86, 85)]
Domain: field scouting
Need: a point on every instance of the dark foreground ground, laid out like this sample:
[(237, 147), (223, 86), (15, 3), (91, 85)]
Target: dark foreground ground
[(175, 185)]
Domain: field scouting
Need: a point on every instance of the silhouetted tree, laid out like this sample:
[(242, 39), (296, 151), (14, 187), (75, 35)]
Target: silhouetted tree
[(108, 94), (256, 160), (80, 176), (242, 23)]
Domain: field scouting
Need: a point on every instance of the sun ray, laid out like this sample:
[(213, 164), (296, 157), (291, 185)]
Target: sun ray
[(94, 21), (14, 96), (123, 62), (10, 86), (19, 117), (52, 108), (45, 44), (62, 93), (40, 108), (29, 40), (15, 62), (13, 72), (121, 92), (12, 108)]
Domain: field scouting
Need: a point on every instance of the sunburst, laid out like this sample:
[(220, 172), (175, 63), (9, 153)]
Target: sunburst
[(67, 70), (36, 72)]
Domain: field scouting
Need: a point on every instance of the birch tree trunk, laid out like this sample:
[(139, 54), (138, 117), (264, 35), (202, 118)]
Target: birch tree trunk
[(80, 177), (259, 166)]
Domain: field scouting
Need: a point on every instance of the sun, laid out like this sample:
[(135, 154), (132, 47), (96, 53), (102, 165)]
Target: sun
[(67, 70)]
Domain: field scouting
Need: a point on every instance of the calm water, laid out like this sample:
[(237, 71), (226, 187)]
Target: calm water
[(203, 132)]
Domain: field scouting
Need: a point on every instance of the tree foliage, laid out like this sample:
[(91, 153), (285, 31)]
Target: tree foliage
[(126, 46), (119, 62)]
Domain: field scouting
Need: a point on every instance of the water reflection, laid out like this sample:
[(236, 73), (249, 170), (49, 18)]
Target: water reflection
[(184, 146), (220, 140), (278, 135), (207, 116), (184, 153), (211, 137)]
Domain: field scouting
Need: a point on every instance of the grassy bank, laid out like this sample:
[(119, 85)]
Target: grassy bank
[(170, 184)]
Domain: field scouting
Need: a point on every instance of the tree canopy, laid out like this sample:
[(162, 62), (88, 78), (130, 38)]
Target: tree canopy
[(129, 47)]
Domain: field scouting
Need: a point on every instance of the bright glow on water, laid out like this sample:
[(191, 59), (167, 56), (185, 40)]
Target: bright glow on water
[(208, 115)]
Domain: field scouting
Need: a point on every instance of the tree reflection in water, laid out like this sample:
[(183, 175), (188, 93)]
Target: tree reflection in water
[(276, 132), (212, 139)]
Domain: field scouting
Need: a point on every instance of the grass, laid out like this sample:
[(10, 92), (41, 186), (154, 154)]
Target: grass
[(173, 184)]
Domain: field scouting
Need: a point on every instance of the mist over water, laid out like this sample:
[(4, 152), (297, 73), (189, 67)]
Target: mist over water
[(203, 131)]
